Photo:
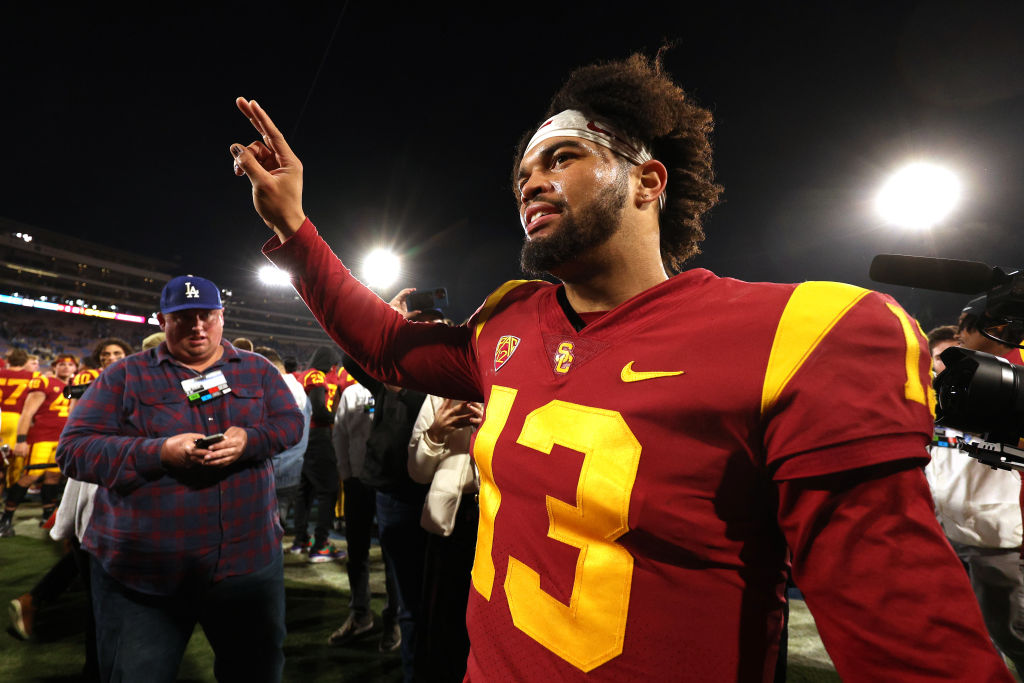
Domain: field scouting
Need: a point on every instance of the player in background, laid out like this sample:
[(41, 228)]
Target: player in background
[(319, 480), (14, 381), (43, 416)]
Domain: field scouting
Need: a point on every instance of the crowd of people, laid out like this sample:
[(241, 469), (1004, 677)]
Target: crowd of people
[(655, 451)]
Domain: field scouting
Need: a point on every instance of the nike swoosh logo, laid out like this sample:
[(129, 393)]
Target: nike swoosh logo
[(631, 375)]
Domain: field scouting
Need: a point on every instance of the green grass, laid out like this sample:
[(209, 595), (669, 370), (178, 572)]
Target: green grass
[(316, 597)]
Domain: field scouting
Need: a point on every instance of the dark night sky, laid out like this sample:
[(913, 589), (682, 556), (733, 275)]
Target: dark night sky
[(117, 127)]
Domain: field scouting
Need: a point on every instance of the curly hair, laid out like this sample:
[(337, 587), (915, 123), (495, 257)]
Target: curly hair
[(639, 99), (109, 341)]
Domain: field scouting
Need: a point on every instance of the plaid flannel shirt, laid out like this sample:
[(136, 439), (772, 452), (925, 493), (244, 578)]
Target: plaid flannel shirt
[(157, 530)]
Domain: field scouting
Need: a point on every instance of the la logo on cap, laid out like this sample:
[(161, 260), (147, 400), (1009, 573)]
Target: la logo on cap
[(190, 291)]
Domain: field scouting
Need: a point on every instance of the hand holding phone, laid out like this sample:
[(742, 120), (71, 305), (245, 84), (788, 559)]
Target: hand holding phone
[(207, 441)]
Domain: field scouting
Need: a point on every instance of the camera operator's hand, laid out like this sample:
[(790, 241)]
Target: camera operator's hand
[(180, 450), (225, 452)]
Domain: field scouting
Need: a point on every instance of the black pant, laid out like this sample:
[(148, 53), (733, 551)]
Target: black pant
[(319, 481), (55, 582), (442, 643)]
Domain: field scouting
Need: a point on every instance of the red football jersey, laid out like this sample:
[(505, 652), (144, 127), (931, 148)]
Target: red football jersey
[(86, 376), (52, 415), (627, 524), (341, 378), (637, 476), (14, 389)]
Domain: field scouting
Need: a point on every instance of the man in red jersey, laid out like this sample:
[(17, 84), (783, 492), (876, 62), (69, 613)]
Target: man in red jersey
[(319, 479), (642, 489), (14, 381), (42, 419)]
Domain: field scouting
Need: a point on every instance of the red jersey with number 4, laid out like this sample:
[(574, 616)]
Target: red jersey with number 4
[(52, 415)]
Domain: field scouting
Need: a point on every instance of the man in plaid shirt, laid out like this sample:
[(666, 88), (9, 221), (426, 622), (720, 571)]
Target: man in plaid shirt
[(183, 532)]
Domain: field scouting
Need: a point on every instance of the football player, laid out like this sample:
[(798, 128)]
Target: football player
[(661, 447), (43, 416), (14, 381)]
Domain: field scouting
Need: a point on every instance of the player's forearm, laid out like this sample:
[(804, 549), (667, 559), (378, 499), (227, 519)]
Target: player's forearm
[(426, 357), (28, 412), (888, 595), (353, 315)]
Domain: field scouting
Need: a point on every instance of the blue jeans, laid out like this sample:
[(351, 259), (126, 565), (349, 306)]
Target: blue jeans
[(142, 637), (404, 542)]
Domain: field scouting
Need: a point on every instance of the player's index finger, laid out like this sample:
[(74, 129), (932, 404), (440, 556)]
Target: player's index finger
[(245, 107), (274, 138)]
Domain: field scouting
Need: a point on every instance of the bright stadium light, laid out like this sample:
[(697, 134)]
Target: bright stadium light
[(918, 195), (381, 268), (274, 276)]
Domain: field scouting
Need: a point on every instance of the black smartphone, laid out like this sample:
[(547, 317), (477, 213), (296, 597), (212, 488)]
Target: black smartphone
[(428, 298), (207, 441)]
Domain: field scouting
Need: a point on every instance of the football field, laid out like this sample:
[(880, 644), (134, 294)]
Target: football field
[(317, 603)]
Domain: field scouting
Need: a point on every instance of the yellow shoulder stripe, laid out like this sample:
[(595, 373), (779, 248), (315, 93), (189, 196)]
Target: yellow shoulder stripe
[(492, 302), (813, 310)]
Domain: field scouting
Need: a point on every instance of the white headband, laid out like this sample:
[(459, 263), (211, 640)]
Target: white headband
[(573, 123)]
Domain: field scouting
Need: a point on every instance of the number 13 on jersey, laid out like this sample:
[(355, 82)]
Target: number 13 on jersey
[(590, 630)]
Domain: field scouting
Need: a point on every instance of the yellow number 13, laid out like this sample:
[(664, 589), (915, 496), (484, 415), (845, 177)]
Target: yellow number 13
[(589, 630)]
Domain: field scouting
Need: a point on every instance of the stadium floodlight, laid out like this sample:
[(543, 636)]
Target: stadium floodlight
[(274, 276), (381, 268), (919, 195)]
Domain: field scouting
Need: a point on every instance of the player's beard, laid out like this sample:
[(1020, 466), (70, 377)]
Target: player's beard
[(590, 227)]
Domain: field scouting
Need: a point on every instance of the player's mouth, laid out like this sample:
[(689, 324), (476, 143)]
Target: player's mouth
[(538, 215)]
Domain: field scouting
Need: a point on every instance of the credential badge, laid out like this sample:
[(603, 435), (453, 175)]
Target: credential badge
[(504, 350)]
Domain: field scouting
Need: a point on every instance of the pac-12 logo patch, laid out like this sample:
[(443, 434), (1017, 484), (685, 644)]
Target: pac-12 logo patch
[(504, 350)]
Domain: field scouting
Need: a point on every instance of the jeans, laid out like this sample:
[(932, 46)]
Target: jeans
[(403, 542), (142, 637)]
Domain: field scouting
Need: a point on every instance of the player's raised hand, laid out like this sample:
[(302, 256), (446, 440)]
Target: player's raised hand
[(274, 171)]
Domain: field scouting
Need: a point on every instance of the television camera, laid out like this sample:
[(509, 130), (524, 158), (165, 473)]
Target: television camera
[(978, 393)]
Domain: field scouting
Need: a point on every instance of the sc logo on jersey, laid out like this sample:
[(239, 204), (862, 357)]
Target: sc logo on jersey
[(563, 357)]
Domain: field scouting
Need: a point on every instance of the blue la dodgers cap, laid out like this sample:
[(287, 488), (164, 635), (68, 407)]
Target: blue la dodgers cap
[(189, 291)]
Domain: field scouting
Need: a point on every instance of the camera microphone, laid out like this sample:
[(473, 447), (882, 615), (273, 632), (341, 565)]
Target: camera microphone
[(943, 274)]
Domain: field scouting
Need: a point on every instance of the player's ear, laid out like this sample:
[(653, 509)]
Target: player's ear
[(653, 179), (160, 319)]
